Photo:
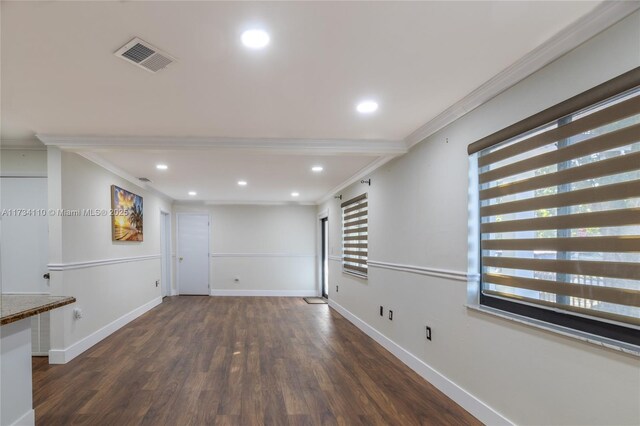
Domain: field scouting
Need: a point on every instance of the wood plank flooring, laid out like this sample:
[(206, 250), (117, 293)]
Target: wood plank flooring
[(238, 361)]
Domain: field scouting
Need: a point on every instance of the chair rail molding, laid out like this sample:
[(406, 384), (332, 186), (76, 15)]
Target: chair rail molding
[(424, 270), (262, 255), (101, 262)]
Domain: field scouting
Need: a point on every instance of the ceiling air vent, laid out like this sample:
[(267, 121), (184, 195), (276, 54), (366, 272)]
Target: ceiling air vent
[(144, 179), (144, 55)]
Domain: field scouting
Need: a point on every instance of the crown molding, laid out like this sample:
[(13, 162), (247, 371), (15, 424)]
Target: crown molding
[(258, 203), (290, 146), (107, 165), (262, 255), (600, 18), (376, 164), (22, 144)]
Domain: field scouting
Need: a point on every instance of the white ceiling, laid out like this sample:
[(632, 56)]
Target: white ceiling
[(214, 174), (416, 59)]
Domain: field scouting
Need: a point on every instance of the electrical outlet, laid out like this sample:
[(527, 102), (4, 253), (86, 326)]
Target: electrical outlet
[(381, 311), (77, 313), (428, 333), (336, 289), (390, 315)]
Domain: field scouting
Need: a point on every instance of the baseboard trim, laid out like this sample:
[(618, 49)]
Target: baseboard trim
[(62, 356), (27, 419), (473, 405), (265, 293)]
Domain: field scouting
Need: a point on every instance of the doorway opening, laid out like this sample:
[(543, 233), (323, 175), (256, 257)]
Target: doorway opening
[(324, 258), (165, 252)]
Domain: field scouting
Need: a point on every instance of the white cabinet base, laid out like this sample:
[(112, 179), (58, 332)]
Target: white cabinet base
[(16, 400)]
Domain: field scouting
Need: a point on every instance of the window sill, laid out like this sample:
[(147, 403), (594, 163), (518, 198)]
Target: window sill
[(574, 334)]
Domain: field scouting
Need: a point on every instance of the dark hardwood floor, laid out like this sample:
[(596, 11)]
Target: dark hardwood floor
[(238, 361)]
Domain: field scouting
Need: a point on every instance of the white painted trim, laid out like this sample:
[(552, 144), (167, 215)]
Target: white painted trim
[(335, 258), (262, 255), (423, 270), (24, 175), (169, 265), (370, 168), (174, 292), (30, 293), (264, 293), (102, 262), (27, 419), (62, 356), (256, 203), (284, 145), (466, 400), (107, 165), (321, 216), (600, 18), (22, 144), (593, 339)]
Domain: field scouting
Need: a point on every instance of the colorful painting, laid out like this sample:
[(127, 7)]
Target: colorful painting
[(127, 215)]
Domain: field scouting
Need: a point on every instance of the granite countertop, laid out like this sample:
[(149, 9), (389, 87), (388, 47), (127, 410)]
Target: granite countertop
[(14, 307)]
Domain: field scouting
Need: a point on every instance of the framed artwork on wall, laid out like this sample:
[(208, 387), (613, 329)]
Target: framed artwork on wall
[(127, 215)]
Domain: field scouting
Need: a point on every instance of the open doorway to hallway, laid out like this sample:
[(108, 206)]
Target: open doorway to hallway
[(165, 252), (324, 258)]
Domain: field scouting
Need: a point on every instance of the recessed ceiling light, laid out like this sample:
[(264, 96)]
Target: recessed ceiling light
[(242, 182), (192, 193), (295, 194), (317, 169), (255, 39), (162, 166), (367, 107)]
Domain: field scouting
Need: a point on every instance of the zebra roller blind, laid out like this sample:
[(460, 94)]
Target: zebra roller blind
[(560, 214), (355, 235)]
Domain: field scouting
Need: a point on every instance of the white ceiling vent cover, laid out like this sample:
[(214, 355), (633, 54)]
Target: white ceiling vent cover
[(144, 55)]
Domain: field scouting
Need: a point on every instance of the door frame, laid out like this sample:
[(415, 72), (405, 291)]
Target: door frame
[(178, 247), (165, 250), (322, 215), (324, 258)]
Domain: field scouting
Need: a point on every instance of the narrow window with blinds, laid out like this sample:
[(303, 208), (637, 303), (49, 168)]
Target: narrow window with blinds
[(560, 215), (355, 236)]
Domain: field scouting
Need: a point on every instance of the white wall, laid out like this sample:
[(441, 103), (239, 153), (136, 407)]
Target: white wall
[(116, 290), (418, 216), (23, 162), (271, 249)]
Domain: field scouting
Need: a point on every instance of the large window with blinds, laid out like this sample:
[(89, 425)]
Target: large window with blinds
[(560, 213), (355, 233)]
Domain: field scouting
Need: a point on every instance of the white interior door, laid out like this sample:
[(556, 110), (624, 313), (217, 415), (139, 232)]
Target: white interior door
[(193, 253), (24, 247), (25, 236)]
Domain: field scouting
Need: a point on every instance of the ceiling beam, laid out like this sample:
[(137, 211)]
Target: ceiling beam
[(264, 145)]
